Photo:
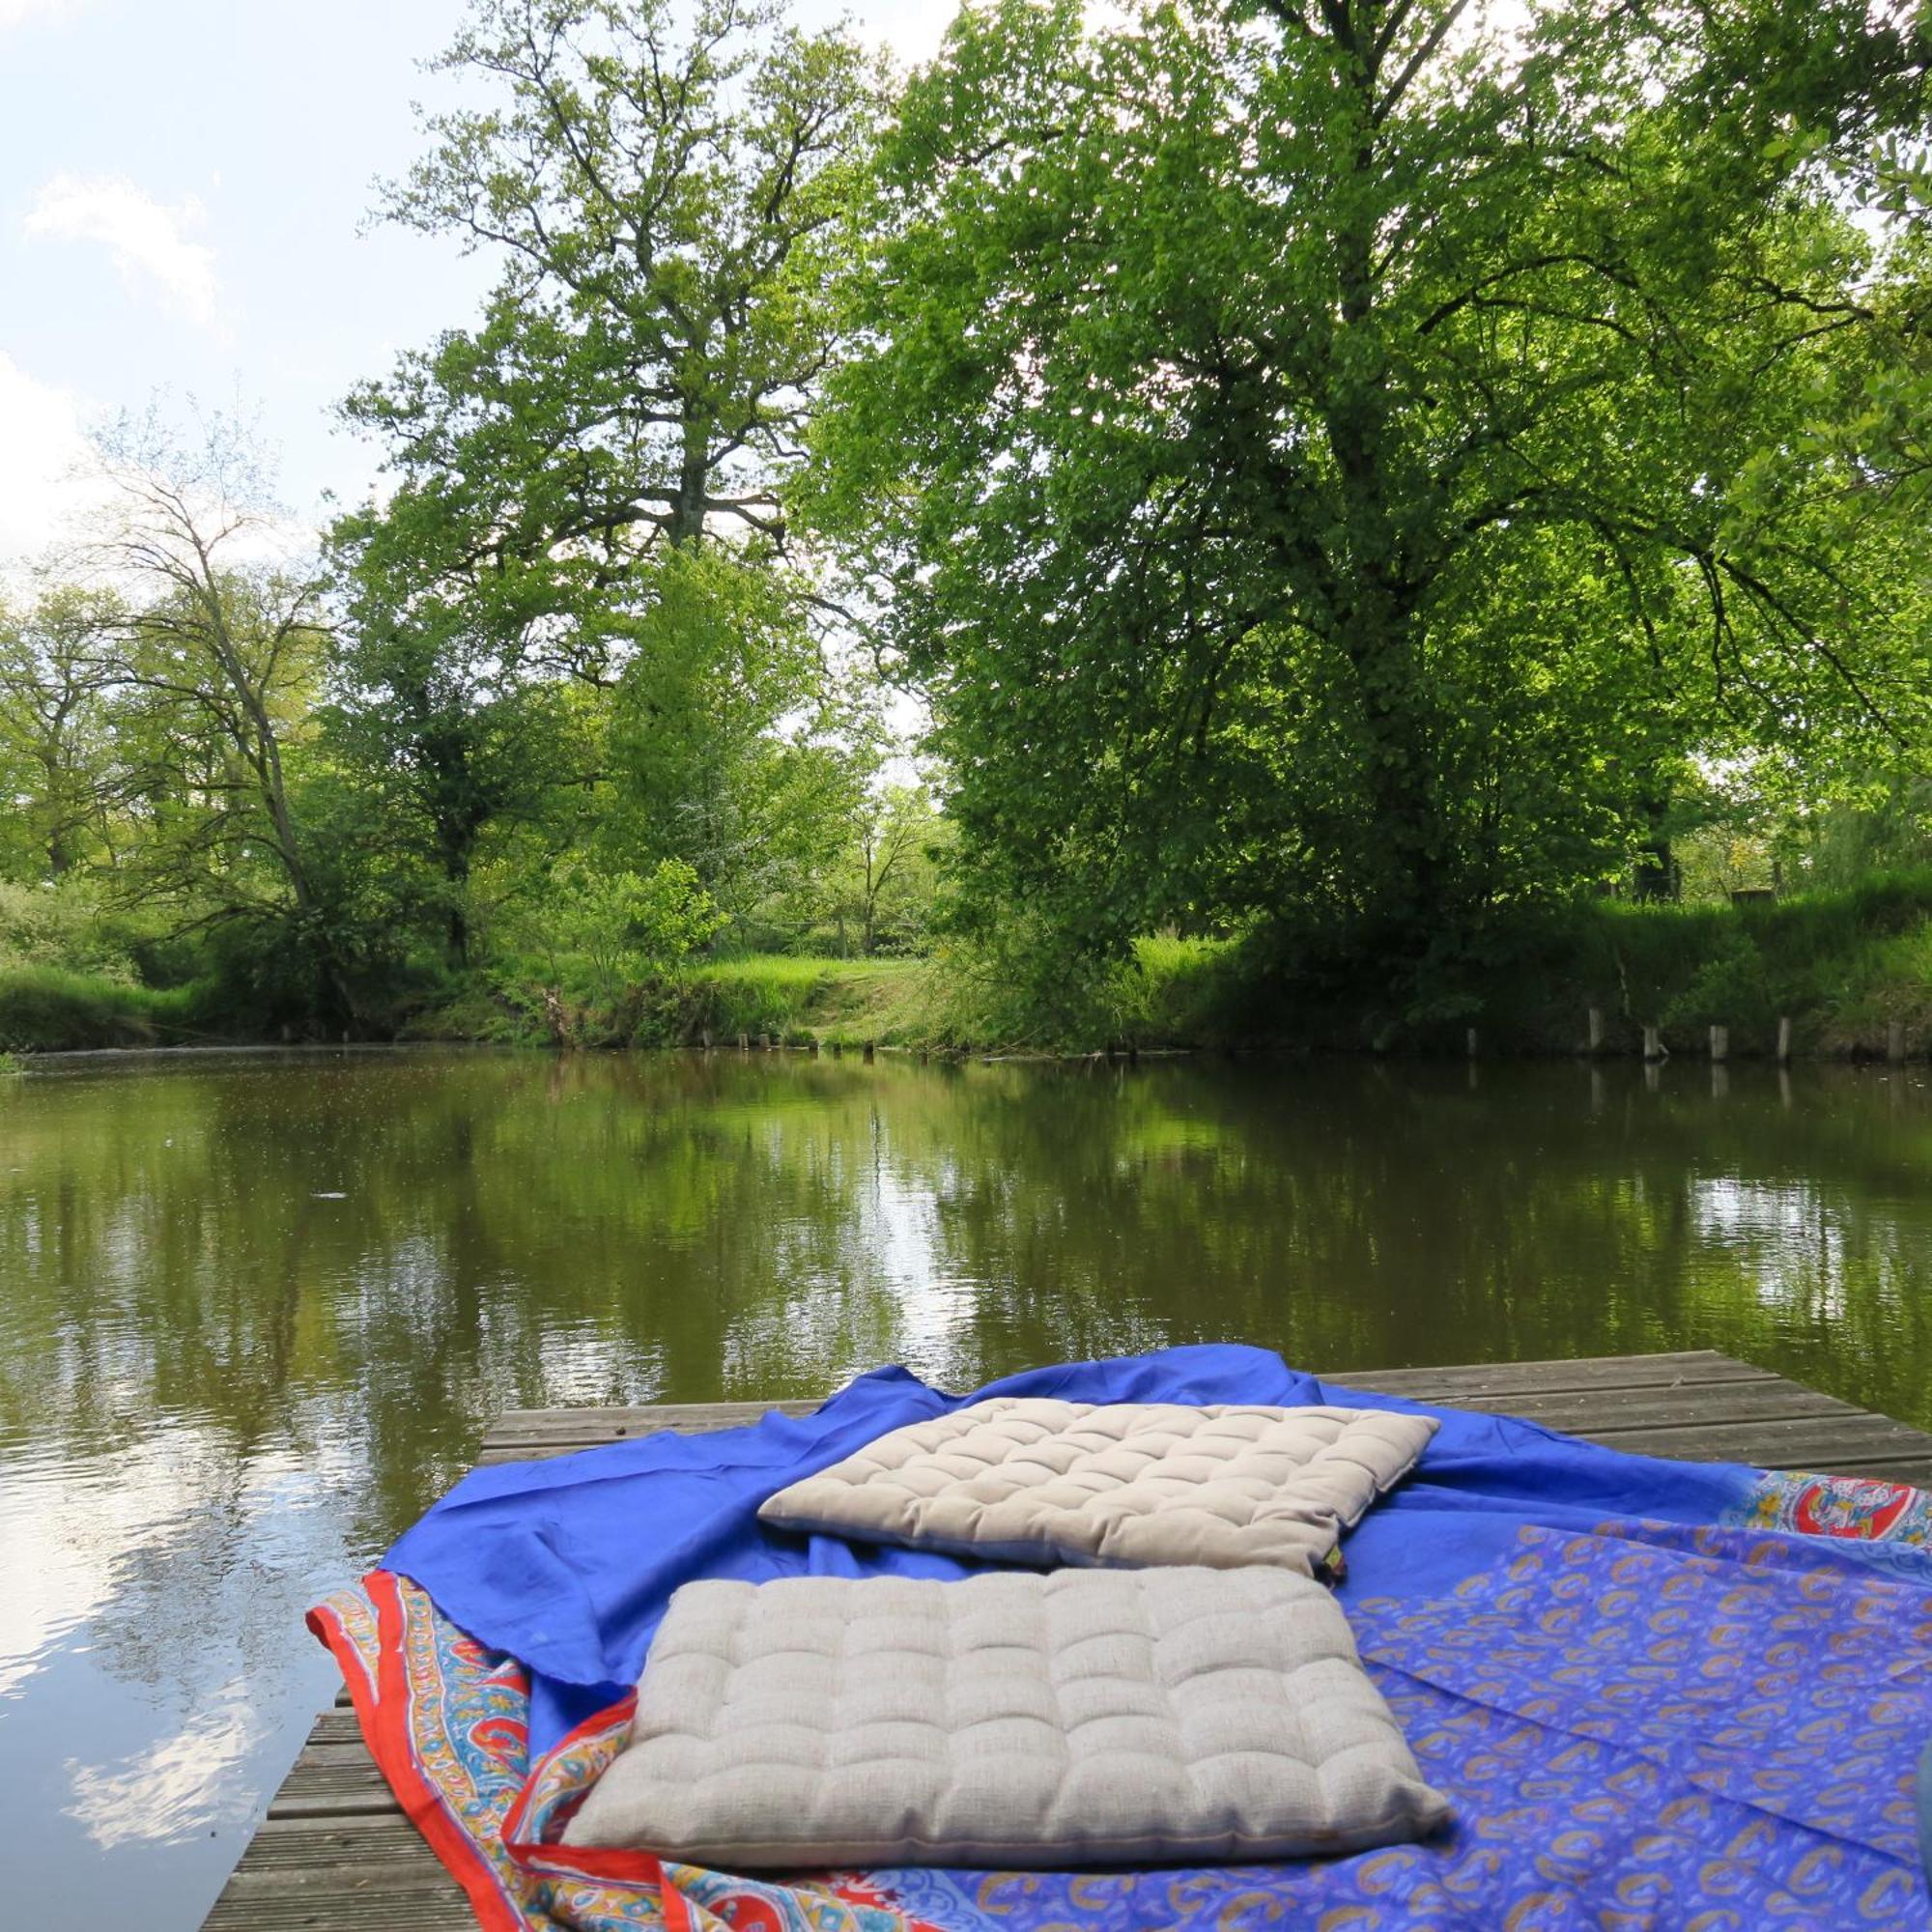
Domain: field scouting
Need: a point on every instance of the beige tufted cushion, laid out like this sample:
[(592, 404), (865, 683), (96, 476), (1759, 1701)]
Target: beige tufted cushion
[(1014, 1719), (1032, 1481)]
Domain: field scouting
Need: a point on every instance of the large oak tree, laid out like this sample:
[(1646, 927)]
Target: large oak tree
[(664, 188), (1342, 459)]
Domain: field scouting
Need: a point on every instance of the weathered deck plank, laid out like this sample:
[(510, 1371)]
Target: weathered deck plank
[(336, 1853)]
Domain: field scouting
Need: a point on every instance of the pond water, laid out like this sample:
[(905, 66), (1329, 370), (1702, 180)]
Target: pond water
[(256, 1310)]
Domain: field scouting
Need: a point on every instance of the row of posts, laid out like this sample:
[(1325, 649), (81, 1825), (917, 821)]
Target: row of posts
[(1654, 1048), (766, 1042)]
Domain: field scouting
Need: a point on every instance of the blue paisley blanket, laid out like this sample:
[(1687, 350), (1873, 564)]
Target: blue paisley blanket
[(1658, 1694)]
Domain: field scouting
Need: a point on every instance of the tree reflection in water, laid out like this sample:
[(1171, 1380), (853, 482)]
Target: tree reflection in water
[(258, 1308)]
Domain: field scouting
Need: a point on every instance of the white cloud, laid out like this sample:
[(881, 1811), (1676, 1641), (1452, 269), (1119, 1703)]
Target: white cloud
[(178, 1786), (144, 236), (18, 13), (43, 450)]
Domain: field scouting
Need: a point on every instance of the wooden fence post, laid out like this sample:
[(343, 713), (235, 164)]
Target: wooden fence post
[(1654, 1048), (1596, 1029), (1471, 1042), (1720, 1044), (1784, 1040)]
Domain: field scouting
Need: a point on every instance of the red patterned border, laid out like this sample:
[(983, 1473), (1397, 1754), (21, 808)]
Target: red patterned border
[(384, 1717)]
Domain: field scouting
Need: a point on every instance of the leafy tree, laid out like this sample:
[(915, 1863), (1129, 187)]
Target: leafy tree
[(589, 483), (1331, 459), (727, 745), (442, 724), (886, 884), (627, 928), (57, 679), (219, 651), (667, 205)]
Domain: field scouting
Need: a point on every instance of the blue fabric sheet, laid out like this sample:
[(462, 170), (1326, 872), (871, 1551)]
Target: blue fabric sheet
[(568, 1565), (1651, 1700)]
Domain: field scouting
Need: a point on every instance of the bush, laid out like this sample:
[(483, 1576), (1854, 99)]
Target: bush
[(67, 926)]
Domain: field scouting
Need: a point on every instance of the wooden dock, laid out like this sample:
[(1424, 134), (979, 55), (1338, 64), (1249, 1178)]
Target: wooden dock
[(335, 1853)]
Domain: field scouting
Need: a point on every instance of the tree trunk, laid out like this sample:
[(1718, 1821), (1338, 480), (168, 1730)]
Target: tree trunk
[(1654, 879), (456, 846), (1374, 612)]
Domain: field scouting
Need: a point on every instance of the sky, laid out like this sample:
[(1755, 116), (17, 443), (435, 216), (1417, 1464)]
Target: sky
[(184, 187)]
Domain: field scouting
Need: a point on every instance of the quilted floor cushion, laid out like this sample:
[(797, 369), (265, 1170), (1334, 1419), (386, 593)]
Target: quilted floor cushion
[(1080, 1717), (1037, 1481)]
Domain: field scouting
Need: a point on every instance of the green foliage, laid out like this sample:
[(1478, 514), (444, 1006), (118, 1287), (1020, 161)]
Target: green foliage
[(883, 894), (1839, 965), (1332, 468), (68, 924), (1352, 487), (1020, 986), (577, 641), (725, 746), (627, 928), (57, 688), (45, 1010), (775, 997)]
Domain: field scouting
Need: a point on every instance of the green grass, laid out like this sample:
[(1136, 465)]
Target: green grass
[(797, 999), (956, 1001), (790, 998), (45, 1010), (1843, 967)]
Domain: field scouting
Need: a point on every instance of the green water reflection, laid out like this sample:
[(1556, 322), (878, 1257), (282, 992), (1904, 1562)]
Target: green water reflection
[(254, 1311)]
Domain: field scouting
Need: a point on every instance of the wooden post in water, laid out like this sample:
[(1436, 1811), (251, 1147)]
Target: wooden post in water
[(1895, 1041), (1784, 1040), (1596, 1029), (744, 1043), (869, 1047), (704, 1040), (812, 1049), (1654, 1048), (838, 1049), (1721, 1045)]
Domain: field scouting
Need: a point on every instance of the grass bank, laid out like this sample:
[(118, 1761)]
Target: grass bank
[(46, 1009), (954, 1001), (1844, 968)]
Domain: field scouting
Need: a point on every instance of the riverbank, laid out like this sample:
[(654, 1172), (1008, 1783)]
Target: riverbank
[(1844, 969), (1851, 972)]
